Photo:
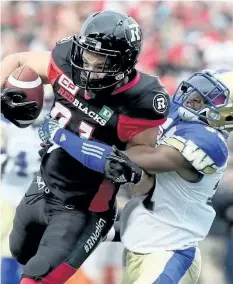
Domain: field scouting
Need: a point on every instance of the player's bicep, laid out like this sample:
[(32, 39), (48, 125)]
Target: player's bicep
[(157, 160), (147, 137), (38, 61), (138, 131)]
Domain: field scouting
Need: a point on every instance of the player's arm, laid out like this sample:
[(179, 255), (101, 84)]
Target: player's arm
[(157, 160), (142, 143), (13, 104), (95, 158), (38, 61), (140, 126), (190, 152), (192, 148)]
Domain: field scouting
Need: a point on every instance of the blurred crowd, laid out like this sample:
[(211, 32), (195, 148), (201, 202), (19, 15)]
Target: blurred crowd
[(179, 38)]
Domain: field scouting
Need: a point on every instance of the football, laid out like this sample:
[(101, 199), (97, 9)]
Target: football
[(30, 82)]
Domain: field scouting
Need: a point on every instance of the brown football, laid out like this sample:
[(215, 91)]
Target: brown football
[(30, 82)]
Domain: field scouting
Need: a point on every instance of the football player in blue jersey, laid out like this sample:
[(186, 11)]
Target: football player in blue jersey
[(187, 163)]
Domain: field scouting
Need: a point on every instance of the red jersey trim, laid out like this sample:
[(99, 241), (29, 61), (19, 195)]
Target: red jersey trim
[(128, 85), (53, 71), (128, 127)]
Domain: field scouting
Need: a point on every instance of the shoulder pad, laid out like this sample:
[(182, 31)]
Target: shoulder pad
[(61, 52), (148, 99), (204, 147), (59, 62), (172, 118)]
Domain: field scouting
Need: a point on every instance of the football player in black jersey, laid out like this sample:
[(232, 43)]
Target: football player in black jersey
[(99, 96)]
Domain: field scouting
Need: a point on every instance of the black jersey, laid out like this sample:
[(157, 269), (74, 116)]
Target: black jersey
[(113, 120)]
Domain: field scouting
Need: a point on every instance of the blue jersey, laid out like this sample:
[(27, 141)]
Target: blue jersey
[(204, 147)]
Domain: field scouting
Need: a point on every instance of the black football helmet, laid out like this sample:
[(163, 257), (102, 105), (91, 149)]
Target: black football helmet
[(116, 36)]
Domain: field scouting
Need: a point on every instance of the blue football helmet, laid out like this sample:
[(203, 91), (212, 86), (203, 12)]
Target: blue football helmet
[(216, 91)]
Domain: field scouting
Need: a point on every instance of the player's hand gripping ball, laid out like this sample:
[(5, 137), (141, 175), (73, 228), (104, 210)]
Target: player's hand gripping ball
[(22, 97)]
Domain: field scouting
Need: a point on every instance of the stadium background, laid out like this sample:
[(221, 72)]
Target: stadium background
[(179, 38)]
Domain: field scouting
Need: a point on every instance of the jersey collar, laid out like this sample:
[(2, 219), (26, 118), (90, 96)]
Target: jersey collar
[(127, 86)]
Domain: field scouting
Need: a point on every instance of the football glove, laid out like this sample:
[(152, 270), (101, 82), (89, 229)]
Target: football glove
[(120, 169), (16, 109), (48, 129)]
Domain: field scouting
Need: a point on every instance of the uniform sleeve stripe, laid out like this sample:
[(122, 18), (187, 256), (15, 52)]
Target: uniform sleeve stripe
[(128, 127), (91, 154), (93, 146), (91, 150)]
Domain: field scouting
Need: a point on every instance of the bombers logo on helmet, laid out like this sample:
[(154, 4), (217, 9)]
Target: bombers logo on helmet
[(114, 37)]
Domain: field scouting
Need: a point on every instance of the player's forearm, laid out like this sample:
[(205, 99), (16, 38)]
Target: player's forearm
[(152, 160), (143, 156), (90, 153), (93, 154), (8, 65), (38, 61)]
